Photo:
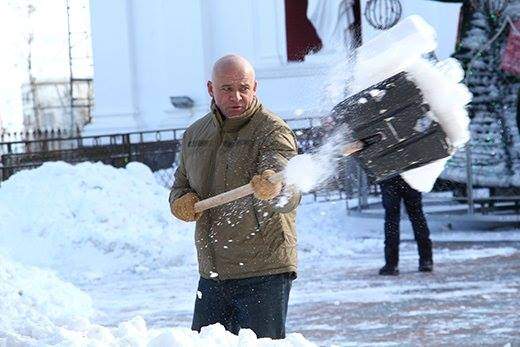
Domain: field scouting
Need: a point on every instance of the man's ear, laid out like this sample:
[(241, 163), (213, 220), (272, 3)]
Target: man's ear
[(255, 86), (210, 88)]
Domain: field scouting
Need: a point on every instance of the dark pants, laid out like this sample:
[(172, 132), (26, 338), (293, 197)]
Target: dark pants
[(257, 303), (393, 190)]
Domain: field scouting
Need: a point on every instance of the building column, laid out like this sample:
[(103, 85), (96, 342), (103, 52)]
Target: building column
[(116, 106)]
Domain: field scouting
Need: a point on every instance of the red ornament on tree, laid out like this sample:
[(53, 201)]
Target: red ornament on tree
[(511, 57)]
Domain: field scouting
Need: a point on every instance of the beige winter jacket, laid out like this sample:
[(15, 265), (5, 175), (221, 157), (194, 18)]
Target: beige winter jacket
[(247, 237)]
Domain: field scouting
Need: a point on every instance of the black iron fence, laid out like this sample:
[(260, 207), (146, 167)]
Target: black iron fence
[(157, 149), (33, 137)]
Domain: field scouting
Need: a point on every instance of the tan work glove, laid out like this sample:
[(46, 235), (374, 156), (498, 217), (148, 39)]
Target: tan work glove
[(263, 188), (184, 207)]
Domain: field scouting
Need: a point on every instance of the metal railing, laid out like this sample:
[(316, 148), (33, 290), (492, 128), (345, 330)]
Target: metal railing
[(463, 194), (159, 150)]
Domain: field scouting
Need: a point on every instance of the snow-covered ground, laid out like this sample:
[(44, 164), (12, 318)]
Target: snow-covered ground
[(89, 254)]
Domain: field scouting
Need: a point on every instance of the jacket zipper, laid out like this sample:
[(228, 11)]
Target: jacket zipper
[(211, 246)]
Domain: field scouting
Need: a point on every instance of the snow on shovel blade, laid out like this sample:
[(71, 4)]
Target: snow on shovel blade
[(400, 127)]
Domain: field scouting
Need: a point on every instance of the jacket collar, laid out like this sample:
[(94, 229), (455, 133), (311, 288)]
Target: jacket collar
[(235, 123)]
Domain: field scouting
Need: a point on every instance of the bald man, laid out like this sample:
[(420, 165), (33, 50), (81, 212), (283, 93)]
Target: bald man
[(246, 249)]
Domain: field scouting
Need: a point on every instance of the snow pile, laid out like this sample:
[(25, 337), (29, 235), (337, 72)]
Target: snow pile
[(91, 218), (216, 335), (35, 302), (40, 309)]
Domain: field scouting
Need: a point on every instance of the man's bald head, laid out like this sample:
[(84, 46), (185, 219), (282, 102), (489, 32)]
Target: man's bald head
[(232, 85), (232, 63)]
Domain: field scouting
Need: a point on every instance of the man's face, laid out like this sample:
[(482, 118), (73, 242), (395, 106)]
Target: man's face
[(233, 90)]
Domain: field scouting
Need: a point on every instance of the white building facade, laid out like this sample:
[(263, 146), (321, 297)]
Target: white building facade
[(147, 51)]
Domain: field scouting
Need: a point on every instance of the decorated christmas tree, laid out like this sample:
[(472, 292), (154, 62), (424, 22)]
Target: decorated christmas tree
[(495, 141)]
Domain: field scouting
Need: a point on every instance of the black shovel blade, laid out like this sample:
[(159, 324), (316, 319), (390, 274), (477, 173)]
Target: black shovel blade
[(396, 126)]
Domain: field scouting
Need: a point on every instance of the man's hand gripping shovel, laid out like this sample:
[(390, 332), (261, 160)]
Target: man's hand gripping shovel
[(247, 189)]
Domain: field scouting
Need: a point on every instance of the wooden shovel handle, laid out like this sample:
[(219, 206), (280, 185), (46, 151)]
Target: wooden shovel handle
[(233, 194), (247, 189), (352, 147)]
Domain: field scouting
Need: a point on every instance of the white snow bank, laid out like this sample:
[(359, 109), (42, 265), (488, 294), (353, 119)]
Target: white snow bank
[(39, 309), (216, 335), (35, 302), (91, 219)]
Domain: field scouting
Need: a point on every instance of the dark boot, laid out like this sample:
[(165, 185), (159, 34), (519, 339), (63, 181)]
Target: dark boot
[(389, 270), (426, 266)]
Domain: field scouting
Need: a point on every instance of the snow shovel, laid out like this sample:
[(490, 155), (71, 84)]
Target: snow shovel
[(392, 131), (396, 109), (278, 177)]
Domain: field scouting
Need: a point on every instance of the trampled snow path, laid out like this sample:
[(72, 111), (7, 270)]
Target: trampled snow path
[(109, 232), (472, 297)]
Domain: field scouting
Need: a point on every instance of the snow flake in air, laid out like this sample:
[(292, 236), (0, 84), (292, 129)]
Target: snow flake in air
[(377, 94)]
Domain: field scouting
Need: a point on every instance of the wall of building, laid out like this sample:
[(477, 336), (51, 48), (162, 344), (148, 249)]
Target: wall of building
[(145, 52)]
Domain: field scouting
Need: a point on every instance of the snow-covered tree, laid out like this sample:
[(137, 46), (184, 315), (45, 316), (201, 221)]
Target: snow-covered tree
[(495, 142)]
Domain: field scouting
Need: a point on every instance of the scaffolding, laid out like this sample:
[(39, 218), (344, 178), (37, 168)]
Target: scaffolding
[(80, 63), (64, 103)]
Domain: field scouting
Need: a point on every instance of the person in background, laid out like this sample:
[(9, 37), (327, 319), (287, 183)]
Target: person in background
[(394, 190)]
